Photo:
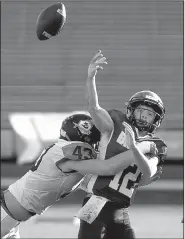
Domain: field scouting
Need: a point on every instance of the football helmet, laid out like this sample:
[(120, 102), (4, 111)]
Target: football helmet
[(150, 99), (79, 127)]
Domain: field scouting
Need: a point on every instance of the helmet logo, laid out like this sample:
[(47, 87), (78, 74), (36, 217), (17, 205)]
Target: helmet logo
[(150, 97), (84, 126)]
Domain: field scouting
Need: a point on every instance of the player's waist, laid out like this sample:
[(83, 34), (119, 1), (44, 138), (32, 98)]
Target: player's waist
[(35, 201), (121, 201), (41, 182)]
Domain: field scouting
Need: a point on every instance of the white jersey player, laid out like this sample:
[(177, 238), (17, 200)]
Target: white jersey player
[(45, 183)]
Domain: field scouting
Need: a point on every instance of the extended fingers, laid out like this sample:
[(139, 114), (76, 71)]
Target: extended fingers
[(97, 55), (157, 175), (129, 129), (102, 59), (99, 58), (160, 171), (127, 125)]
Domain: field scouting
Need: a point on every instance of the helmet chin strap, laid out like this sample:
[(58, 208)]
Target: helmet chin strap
[(140, 133), (142, 128)]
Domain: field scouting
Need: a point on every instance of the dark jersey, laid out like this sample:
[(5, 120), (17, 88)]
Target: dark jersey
[(121, 187)]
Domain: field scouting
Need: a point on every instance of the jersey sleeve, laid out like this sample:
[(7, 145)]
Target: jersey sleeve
[(69, 151), (115, 114), (117, 117), (57, 155), (75, 151), (162, 150), (161, 147)]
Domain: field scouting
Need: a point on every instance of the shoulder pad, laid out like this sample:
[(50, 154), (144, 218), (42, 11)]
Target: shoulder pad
[(78, 151), (114, 112), (117, 115)]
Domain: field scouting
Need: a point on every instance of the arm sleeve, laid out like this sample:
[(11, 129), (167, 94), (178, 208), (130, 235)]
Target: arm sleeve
[(102, 119), (162, 151)]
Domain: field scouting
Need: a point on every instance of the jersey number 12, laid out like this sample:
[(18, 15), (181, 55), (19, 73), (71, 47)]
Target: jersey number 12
[(124, 181)]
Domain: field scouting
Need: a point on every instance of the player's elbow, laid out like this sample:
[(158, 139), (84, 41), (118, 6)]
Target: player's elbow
[(147, 174), (93, 107), (148, 171), (151, 167), (153, 170)]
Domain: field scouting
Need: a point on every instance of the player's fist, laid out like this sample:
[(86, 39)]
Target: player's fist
[(147, 147), (96, 63)]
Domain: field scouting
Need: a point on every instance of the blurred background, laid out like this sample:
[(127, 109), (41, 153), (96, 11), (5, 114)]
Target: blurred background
[(43, 82)]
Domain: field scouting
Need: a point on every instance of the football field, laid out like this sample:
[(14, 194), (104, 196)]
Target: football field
[(149, 221), (159, 218)]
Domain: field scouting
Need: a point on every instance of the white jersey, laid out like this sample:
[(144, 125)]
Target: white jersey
[(45, 183), (88, 181)]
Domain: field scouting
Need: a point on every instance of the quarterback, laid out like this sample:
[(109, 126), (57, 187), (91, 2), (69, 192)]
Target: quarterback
[(45, 183), (132, 153)]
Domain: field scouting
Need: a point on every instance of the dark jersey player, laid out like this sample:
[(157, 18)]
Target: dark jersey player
[(135, 152)]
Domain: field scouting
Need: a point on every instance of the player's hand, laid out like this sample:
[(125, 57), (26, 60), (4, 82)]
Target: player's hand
[(147, 147), (130, 136), (154, 178), (96, 64)]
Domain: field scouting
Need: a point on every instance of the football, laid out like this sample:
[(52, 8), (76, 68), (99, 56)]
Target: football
[(51, 21)]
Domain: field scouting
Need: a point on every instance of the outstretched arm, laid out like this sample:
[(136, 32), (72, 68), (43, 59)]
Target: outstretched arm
[(100, 167), (100, 116), (110, 166)]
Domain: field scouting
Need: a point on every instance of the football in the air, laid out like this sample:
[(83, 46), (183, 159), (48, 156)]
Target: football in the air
[(50, 21)]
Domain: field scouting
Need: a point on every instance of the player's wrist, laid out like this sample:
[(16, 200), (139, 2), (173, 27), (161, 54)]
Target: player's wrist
[(132, 146), (91, 77)]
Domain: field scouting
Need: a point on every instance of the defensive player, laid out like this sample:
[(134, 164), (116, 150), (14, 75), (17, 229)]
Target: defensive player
[(134, 130), (45, 183)]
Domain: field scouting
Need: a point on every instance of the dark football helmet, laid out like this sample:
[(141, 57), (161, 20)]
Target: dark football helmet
[(79, 127), (150, 99)]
